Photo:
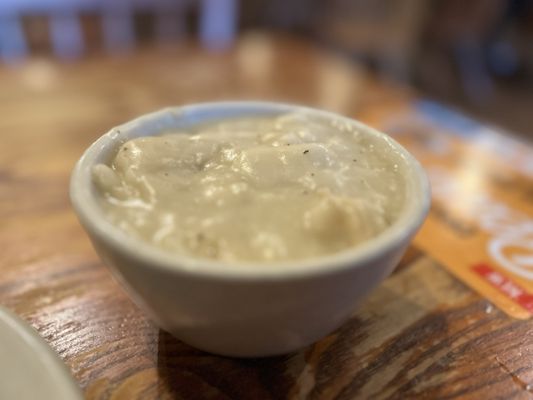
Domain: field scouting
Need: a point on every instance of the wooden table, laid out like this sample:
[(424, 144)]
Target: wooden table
[(421, 334)]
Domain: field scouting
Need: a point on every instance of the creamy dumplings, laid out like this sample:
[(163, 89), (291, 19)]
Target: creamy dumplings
[(255, 189)]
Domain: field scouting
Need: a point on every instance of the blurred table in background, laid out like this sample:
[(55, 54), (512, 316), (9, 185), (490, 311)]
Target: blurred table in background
[(421, 334)]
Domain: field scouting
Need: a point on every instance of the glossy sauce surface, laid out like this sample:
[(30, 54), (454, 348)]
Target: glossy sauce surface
[(255, 189)]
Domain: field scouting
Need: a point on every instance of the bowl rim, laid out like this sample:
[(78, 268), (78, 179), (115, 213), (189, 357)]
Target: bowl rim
[(92, 219)]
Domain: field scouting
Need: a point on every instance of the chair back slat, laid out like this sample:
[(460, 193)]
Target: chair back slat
[(13, 44), (218, 22), (66, 35)]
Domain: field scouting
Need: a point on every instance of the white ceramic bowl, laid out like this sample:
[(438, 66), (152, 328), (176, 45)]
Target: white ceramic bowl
[(232, 309)]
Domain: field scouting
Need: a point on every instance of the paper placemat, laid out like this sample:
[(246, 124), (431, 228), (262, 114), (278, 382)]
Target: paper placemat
[(480, 226)]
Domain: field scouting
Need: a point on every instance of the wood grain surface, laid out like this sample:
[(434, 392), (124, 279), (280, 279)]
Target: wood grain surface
[(421, 334)]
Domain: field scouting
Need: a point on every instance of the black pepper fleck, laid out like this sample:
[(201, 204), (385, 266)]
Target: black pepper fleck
[(354, 160), (125, 149), (306, 151)]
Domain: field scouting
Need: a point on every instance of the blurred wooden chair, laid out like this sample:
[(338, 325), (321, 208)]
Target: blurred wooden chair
[(385, 32), (458, 33), (217, 20)]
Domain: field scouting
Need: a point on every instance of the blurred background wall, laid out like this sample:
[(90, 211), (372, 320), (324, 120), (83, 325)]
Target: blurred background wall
[(476, 55)]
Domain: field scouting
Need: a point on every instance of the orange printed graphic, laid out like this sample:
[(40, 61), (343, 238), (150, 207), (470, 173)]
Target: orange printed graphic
[(480, 226)]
